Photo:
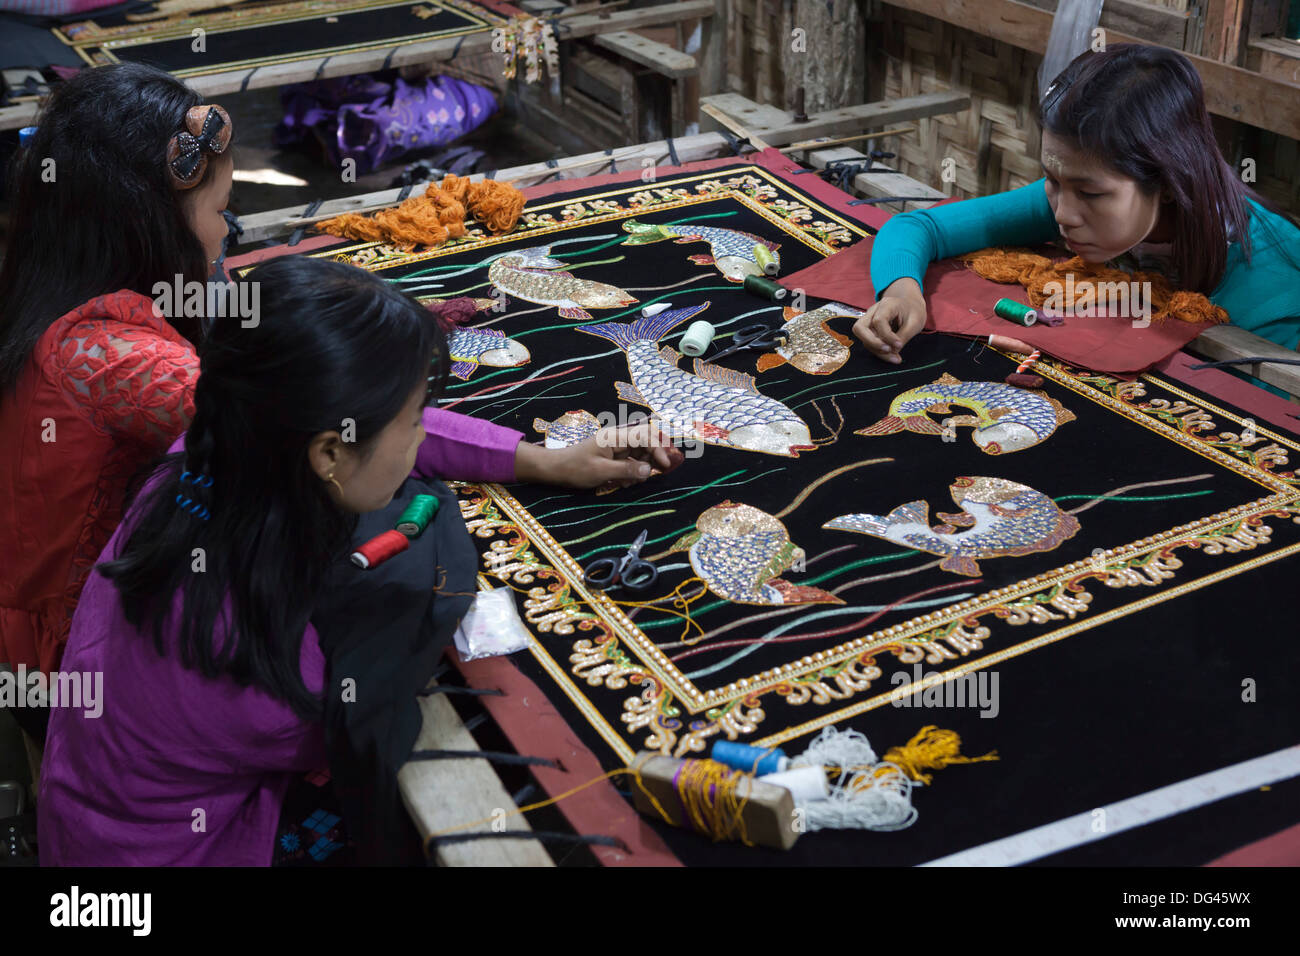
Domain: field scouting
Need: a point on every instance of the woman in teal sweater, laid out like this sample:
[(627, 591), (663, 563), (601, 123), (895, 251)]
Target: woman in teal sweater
[(1132, 177)]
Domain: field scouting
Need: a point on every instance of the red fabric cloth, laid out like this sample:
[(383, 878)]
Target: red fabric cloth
[(108, 387), (960, 302)]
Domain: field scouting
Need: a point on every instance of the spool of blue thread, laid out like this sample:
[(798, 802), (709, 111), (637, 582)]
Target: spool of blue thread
[(25, 135), (756, 760)]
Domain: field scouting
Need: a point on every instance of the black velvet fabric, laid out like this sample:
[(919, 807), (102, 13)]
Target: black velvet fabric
[(1114, 687)]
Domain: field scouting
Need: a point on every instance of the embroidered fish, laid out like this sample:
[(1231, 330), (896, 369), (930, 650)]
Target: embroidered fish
[(469, 348), (810, 345), (716, 405), (732, 251), (1006, 418), (532, 275), (569, 429), (1002, 518), (740, 552)]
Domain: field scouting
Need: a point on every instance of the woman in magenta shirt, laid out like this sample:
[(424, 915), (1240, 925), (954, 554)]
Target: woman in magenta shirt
[(212, 677)]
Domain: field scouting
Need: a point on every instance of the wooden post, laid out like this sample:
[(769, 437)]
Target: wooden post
[(713, 48), (823, 48)]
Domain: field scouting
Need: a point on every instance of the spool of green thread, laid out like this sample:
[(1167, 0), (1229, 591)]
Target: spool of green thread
[(417, 515), (1016, 312), (697, 339), (766, 261), (766, 288)]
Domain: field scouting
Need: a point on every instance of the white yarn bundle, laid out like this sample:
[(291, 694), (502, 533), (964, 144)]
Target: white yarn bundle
[(871, 796)]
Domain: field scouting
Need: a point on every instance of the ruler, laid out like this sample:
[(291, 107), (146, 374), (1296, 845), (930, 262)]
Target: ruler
[(1131, 813)]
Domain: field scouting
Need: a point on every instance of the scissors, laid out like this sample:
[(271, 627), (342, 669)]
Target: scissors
[(629, 571), (751, 337)]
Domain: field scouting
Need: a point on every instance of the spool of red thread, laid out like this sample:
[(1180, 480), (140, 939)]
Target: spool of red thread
[(379, 549)]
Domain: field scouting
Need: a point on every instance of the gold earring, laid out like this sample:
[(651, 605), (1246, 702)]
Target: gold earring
[(330, 479)]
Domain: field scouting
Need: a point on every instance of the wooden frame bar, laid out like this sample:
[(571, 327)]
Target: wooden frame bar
[(275, 222), (409, 54), (441, 794)]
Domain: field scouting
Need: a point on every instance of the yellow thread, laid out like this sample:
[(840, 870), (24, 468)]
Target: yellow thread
[(679, 601), (821, 481), (635, 771), (931, 749), (707, 790)]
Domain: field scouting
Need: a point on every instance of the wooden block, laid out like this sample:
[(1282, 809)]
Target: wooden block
[(768, 815)]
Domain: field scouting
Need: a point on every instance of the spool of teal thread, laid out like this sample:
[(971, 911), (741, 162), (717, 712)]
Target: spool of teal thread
[(417, 515), (755, 760), (697, 339), (766, 288), (1016, 312)]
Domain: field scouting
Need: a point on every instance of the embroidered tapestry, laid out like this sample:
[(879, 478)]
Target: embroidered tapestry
[(1078, 577)]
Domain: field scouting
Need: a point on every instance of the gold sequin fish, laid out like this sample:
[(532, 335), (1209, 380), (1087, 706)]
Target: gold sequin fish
[(740, 552), (811, 346), (531, 274)]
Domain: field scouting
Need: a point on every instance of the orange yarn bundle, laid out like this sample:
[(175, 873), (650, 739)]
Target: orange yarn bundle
[(1034, 272), (436, 215)]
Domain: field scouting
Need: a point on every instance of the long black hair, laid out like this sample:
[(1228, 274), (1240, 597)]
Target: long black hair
[(1141, 111), (332, 343), (110, 219)]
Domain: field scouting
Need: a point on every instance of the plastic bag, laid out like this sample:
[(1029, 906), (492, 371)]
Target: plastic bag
[(492, 627)]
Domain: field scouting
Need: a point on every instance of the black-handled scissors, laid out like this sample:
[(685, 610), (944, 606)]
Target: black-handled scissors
[(751, 337), (629, 571)]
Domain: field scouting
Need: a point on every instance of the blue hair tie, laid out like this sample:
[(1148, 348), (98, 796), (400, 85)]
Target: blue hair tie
[(193, 507)]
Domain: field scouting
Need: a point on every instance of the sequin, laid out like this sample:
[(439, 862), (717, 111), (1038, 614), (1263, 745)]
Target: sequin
[(1007, 418), (1002, 518), (810, 344), (715, 405), (471, 348), (532, 275), (740, 551), (732, 251)]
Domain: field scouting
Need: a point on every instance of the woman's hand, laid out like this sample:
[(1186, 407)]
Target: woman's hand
[(616, 456), (893, 320)]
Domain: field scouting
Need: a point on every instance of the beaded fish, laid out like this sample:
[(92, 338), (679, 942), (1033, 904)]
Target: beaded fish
[(572, 428), (716, 405), (569, 429), (1002, 518), (741, 551), (811, 346), (532, 275), (1006, 418), (469, 348), (732, 251)]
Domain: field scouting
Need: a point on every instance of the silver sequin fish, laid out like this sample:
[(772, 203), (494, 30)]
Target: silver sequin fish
[(531, 274), (469, 348), (733, 251), (1006, 418), (741, 551), (716, 405), (1002, 518)]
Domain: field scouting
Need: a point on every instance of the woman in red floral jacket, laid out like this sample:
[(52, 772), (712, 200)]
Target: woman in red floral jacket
[(123, 187)]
